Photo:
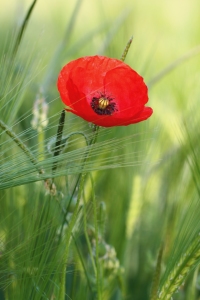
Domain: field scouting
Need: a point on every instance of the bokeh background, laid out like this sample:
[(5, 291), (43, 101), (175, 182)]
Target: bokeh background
[(147, 201)]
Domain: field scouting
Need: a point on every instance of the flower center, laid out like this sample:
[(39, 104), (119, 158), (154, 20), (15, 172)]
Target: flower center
[(103, 105)]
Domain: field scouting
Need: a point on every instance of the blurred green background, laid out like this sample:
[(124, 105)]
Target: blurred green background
[(148, 201)]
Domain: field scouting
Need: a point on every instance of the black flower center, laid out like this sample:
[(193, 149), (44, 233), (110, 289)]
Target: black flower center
[(103, 105)]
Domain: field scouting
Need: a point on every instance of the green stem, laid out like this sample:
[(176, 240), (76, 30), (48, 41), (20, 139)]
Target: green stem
[(81, 179), (67, 239), (82, 261), (86, 235), (79, 252), (23, 27), (92, 141), (58, 139), (98, 271)]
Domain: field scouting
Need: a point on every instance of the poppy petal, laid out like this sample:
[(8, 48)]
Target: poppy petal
[(143, 115), (128, 89)]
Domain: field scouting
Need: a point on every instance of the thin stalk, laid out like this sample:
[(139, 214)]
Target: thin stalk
[(98, 273), (58, 139), (92, 141), (67, 240), (79, 253), (87, 237), (23, 27), (82, 261), (72, 223)]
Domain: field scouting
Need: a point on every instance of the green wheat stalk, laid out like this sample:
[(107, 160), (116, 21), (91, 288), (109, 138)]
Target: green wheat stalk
[(29, 154), (178, 275), (156, 277), (21, 145)]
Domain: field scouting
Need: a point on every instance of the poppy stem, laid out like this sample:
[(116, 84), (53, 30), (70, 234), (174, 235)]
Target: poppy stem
[(125, 52), (96, 226), (80, 182), (58, 139), (92, 141)]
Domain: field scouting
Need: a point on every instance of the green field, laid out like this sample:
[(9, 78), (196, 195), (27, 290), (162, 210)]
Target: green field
[(118, 218)]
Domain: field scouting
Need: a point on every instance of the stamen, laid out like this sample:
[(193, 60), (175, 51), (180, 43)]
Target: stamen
[(103, 105)]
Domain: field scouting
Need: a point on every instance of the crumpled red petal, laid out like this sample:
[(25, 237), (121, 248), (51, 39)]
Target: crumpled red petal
[(128, 89)]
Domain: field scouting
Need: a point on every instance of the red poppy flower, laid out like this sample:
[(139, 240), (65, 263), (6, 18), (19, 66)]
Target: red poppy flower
[(104, 91)]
